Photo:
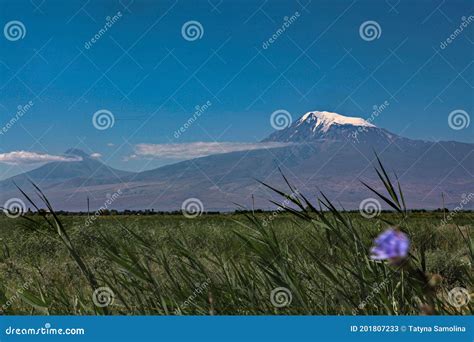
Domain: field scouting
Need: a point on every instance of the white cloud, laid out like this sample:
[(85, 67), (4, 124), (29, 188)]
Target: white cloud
[(197, 149), (25, 157), (96, 155)]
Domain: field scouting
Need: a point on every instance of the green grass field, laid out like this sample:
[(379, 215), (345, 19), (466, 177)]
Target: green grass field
[(305, 258), (228, 264)]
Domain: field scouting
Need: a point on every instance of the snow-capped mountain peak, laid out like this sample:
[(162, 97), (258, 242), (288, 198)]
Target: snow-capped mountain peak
[(324, 120), (329, 126)]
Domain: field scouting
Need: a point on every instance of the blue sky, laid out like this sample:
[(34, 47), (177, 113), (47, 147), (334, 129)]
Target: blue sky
[(151, 79)]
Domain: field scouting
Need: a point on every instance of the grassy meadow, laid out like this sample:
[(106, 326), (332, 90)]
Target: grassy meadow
[(212, 264), (304, 259)]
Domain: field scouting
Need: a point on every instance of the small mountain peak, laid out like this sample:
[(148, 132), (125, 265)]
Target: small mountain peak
[(77, 153), (324, 120)]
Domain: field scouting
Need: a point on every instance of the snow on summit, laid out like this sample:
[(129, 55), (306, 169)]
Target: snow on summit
[(328, 126), (327, 119)]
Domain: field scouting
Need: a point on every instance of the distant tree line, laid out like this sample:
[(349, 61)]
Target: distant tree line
[(150, 212)]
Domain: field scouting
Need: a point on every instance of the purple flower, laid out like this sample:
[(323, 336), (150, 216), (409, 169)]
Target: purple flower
[(391, 244)]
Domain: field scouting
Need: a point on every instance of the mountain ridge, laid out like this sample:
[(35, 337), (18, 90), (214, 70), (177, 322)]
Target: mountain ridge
[(323, 125), (328, 151)]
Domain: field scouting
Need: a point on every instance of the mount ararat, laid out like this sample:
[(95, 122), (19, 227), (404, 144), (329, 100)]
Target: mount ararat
[(321, 151)]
